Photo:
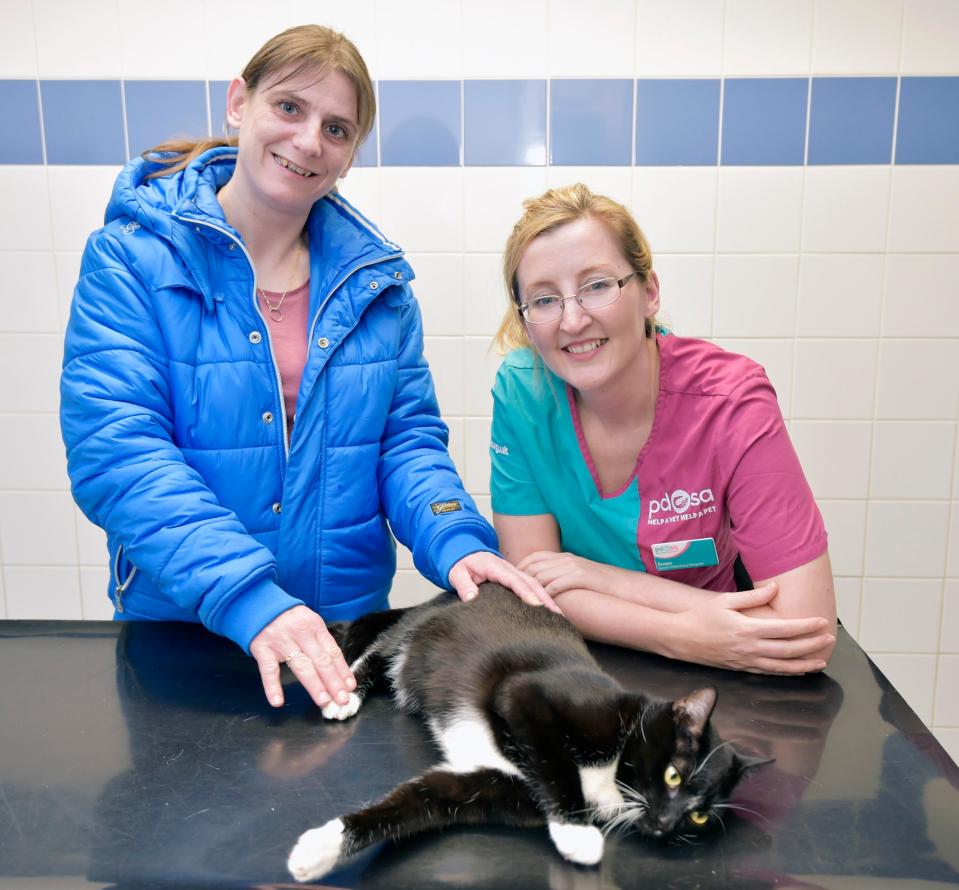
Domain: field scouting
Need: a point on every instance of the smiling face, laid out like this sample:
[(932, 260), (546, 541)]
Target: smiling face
[(297, 137), (591, 350)]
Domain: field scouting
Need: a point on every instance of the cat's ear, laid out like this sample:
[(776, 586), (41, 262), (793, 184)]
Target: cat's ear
[(695, 709), (746, 765)]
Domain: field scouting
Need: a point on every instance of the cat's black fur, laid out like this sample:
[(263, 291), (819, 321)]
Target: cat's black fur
[(524, 674)]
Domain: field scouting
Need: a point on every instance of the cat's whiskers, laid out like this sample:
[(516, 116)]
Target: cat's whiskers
[(740, 807)]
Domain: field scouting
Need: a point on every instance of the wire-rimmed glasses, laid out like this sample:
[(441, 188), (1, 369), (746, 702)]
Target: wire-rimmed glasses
[(593, 295)]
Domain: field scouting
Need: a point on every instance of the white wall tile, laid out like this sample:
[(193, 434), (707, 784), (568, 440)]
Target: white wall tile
[(846, 524), (484, 294), (91, 541), (765, 37), (760, 209), (477, 455), (834, 456), (840, 295), (845, 209), (918, 379), (78, 39), (912, 460), (33, 454), (679, 38), (834, 379), (676, 207), (921, 296), (3, 598), (614, 182), (94, 601), (419, 38), (250, 24), (445, 356), (949, 638), (686, 292), (404, 558), (439, 291), (776, 356), (37, 528), (930, 37), (18, 42), (952, 564), (481, 363), (924, 209), (949, 739), (66, 267), (42, 592), (755, 296), (520, 48), (494, 196), (913, 676), (576, 29), (856, 36), (361, 187), (947, 691), (78, 196), (30, 371), (848, 592), (25, 222), (28, 293), (410, 588), (422, 207), (165, 54), (906, 539), (484, 505), (900, 615)]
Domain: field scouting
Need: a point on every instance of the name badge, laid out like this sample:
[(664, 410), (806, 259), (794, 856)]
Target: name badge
[(694, 554)]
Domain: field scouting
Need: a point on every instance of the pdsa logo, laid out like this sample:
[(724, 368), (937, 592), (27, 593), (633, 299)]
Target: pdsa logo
[(679, 502)]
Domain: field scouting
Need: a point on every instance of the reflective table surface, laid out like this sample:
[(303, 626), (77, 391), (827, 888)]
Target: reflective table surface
[(144, 756)]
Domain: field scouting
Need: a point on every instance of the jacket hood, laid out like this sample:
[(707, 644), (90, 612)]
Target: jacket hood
[(171, 207)]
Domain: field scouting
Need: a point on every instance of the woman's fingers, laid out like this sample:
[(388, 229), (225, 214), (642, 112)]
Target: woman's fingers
[(299, 638)]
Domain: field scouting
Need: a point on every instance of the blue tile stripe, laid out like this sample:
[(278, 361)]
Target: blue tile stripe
[(647, 122)]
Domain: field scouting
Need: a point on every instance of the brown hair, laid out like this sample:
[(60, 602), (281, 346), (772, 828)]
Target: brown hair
[(549, 211), (302, 49)]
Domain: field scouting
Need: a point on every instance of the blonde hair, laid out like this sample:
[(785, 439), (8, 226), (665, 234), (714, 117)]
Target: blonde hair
[(549, 211), (303, 49)]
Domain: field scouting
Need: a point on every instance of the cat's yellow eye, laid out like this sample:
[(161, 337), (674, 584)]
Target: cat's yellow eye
[(672, 778), (698, 818)]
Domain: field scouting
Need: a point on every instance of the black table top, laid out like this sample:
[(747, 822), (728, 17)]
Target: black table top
[(144, 755)]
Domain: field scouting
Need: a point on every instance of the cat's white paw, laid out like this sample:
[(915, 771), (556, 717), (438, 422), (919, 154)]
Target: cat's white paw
[(582, 844), (335, 711), (316, 851)]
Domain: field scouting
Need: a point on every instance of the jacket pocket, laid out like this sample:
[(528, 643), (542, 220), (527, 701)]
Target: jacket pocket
[(124, 572)]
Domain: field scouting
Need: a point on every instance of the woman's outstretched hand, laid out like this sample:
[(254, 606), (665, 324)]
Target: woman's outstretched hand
[(299, 638), (482, 566)]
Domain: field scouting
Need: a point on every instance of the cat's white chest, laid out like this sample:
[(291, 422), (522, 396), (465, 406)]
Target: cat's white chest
[(467, 744)]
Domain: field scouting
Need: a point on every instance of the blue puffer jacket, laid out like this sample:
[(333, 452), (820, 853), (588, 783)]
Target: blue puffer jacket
[(173, 417)]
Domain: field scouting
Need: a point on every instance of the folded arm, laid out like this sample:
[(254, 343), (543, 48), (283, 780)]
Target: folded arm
[(786, 625)]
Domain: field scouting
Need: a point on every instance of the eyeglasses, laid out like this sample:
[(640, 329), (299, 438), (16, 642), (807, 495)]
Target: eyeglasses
[(592, 295)]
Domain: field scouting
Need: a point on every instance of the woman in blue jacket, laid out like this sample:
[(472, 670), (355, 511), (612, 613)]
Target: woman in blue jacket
[(245, 403)]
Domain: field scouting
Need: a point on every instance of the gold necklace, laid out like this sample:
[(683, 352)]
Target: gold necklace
[(273, 309)]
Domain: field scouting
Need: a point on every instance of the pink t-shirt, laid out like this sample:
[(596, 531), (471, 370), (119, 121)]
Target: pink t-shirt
[(289, 341), (717, 469)]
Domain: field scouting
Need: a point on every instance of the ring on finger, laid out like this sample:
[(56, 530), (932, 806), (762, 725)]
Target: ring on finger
[(291, 656)]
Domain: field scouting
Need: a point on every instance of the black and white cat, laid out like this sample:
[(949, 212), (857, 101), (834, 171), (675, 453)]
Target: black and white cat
[(532, 732)]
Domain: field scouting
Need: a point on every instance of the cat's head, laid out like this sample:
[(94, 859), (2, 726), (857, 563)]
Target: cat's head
[(675, 773)]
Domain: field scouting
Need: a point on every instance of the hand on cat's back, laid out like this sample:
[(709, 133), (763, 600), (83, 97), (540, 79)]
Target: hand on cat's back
[(299, 638), (473, 569)]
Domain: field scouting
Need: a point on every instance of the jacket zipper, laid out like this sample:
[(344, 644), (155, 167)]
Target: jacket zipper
[(266, 328), (256, 306), (121, 588)]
